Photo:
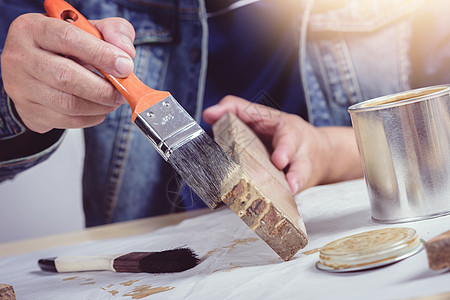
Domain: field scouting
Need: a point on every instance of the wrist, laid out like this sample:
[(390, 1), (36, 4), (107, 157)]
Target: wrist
[(327, 153), (340, 157)]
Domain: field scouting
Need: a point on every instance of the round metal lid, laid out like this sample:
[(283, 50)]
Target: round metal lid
[(369, 249)]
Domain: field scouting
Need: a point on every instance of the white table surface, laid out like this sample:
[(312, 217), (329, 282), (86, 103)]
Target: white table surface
[(236, 264)]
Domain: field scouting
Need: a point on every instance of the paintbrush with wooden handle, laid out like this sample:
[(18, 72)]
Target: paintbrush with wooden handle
[(180, 140), (168, 261)]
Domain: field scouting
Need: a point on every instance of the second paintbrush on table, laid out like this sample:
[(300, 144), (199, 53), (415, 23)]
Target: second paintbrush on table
[(168, 261)]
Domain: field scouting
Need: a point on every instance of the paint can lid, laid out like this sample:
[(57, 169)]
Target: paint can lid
[(369, 249)]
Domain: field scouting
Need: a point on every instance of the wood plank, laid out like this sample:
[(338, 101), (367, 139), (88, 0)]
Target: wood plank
[(7, 292), (438, 251), (260, 194)]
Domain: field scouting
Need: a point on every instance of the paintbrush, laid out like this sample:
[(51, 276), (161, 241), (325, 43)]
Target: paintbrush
[(180, 140), (168, 261)]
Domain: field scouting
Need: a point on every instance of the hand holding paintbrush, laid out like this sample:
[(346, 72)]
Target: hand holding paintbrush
[(202, 164)]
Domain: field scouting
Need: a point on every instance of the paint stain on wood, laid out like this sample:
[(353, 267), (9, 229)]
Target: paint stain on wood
[(110, 286), (233, 245), (232, 267), (71, 278), (90, 281), (112, 292), (312, 251), (78, 278), (129, 282), (211, 252), (237, 242), (146, 290)]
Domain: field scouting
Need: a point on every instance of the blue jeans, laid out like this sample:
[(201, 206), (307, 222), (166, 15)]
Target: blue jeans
[(344, 59)]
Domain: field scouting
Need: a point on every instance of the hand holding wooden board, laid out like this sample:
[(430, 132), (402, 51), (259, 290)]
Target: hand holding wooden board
[(260, 196)]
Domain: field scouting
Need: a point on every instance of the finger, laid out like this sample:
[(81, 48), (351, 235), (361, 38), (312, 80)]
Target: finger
[(43, 119), (67, 76), (24, 87), (282, 155), (119, 32), (214, 113), (261, 118), (61, 37), (65, 103), (287, 139), (298, 174)]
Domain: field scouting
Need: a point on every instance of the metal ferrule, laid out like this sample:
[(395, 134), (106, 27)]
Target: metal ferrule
[(168, 126)]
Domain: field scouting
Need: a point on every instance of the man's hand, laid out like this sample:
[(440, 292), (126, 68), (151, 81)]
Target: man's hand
[(309, 155), (47, 70)]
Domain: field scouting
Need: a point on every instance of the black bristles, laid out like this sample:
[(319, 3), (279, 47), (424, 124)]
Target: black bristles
[(169, 261), (204, 166)]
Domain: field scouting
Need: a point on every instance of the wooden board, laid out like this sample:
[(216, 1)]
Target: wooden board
[(7, 292), (260, 194), (438, 251)]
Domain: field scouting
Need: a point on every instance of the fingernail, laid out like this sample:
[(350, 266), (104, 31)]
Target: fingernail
[(124, 65), (284, 160), (295, 187)]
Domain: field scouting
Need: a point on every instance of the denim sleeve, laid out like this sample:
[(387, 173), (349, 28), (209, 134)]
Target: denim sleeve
[(356, 50), (20, 148), (430, 48)]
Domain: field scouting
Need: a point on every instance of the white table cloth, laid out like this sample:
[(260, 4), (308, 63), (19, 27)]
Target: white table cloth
[(236, 264)]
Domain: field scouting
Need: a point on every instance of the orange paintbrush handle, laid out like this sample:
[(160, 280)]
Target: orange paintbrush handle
[(138, 95)]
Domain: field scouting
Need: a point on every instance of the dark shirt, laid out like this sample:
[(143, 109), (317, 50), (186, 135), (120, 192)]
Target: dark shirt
[(253, 54)]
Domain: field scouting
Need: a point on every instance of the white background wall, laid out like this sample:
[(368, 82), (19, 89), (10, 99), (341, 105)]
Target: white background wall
[(45, 199)]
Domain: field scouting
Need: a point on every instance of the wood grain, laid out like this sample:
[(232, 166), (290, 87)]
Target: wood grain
[(260, 194), (7, 292), (438, 251)]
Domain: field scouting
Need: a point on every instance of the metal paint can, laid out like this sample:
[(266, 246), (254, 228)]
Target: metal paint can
[(404, 146)]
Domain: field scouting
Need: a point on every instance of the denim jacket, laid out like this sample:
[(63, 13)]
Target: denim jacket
[(124, 177)]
